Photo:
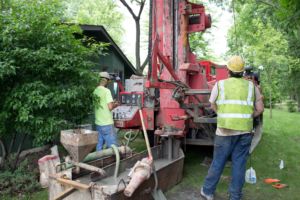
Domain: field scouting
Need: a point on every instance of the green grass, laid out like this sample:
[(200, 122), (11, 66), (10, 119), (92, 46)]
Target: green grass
[(137, 145), (281, 138), (39, 195)]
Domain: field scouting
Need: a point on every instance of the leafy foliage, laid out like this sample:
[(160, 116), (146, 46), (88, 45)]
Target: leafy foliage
[(23, 180), (291, 105), (97, 12), (45, 73), (262, 37), (200, 46)]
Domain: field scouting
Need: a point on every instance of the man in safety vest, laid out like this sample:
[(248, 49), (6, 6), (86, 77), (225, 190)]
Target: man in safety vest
[(236, 101)]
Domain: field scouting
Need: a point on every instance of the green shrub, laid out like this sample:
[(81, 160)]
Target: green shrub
[(291, 105), (22, 180), (46, 80)]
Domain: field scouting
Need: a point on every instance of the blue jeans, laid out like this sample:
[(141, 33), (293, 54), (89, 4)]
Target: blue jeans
[(238, 148), (106, 134)]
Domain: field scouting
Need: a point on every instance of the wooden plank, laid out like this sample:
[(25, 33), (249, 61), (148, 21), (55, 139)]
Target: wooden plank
[(65, 193), (74, 184)]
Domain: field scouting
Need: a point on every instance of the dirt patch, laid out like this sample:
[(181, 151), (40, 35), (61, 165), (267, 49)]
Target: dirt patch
[(33, 160), (191, 194)]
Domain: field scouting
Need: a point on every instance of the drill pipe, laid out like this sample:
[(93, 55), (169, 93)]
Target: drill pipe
[(101, 154)]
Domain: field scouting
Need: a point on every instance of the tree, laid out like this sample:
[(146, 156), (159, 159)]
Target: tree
[(137, 17), (96, 12), (284, 16), (261, 44), (46, 80), (200, 46)]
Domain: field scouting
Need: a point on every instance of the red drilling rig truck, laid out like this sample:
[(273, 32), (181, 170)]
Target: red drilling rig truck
[(174, 95)]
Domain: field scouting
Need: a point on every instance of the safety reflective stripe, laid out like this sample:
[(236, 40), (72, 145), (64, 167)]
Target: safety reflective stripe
[(235, 102), (222, 100), (250, 91), (235, 115), (222, 89)]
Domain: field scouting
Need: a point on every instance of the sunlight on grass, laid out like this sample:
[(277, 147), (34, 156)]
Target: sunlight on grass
[(281, 137)]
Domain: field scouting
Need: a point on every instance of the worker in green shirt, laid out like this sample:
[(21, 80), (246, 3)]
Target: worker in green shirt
[(104, 104)]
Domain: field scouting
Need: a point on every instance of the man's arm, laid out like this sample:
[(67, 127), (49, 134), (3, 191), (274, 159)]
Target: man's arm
[(259, 104), (112, 105), (213, 98), (214, 107)]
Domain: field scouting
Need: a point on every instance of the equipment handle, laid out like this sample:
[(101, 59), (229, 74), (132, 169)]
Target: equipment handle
[(146, 136)]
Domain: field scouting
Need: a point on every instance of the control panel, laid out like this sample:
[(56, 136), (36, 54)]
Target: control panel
[(124, 112), (131, 98)]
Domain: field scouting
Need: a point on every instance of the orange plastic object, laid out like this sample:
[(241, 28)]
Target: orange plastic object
[(279, 185), (271, 180)]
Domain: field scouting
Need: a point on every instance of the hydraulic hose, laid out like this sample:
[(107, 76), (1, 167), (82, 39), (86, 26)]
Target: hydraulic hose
[(117, 160), (128, 137)]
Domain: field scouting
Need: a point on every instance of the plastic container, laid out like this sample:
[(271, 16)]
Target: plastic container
[(281, 164), (250, 176)]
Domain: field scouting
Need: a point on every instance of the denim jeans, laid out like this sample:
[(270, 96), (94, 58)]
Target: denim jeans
[(106, 134), (238, 148)]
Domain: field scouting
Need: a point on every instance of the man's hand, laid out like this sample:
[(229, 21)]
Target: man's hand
[(214, 107), (113, 105), (116, 104)]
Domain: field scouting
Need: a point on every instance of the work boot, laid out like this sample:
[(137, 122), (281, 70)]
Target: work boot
[(206, 196)]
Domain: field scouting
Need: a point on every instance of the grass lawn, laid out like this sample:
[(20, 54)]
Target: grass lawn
[(281, 138)]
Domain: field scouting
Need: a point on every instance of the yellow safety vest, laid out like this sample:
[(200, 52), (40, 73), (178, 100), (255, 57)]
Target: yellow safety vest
[(235, 103)]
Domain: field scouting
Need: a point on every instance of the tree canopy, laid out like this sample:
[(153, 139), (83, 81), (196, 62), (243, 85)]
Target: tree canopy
[(267, 33), (96, 12)]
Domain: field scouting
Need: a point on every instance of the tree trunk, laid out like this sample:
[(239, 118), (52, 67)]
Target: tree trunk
[(137, 46), (298, 101), (270, 85), (12, 142), (19, 151), (270, 103), (2, 157)]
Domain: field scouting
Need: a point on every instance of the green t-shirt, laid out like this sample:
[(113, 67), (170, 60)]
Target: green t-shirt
[(102, 96)]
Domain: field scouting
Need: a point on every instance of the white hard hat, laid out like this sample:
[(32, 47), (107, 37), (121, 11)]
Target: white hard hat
[(105, 75)]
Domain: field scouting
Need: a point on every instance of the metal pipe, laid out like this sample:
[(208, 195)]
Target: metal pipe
[(146, 136), (170, 148)]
